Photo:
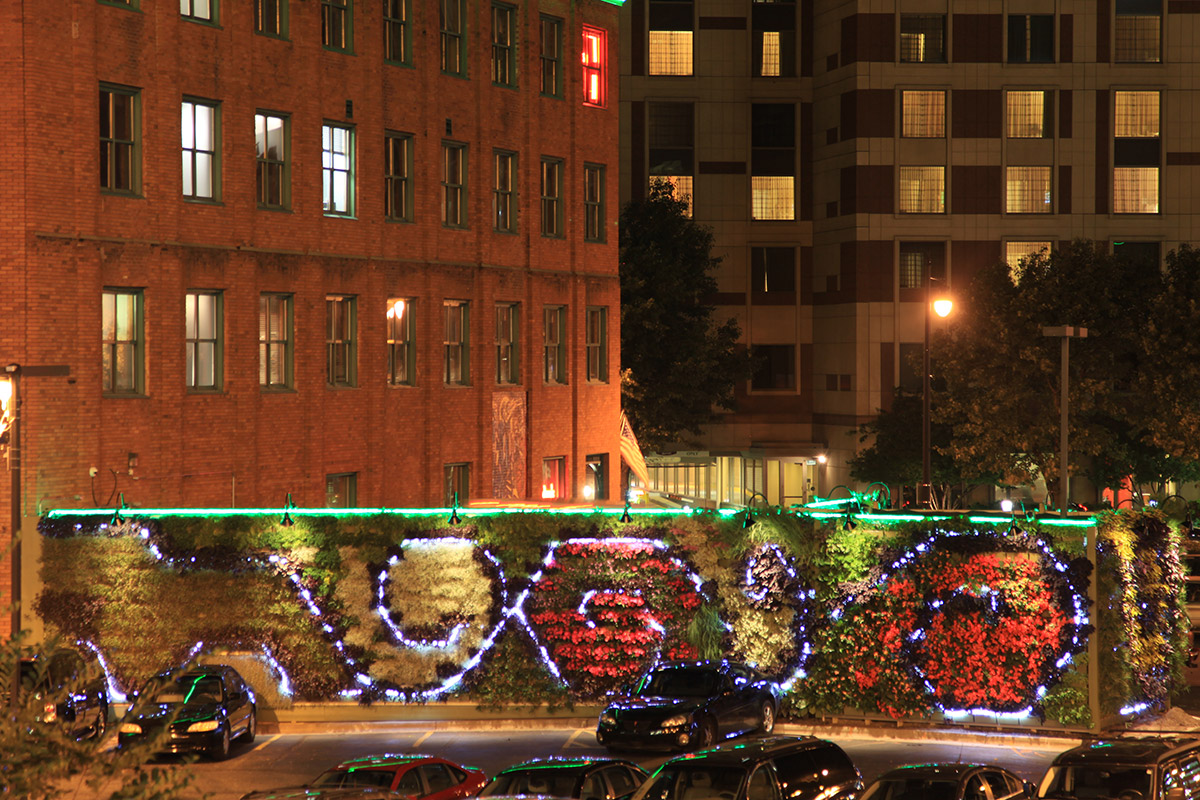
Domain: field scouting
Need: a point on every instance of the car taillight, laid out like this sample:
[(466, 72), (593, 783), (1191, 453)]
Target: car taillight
[(49, 712)]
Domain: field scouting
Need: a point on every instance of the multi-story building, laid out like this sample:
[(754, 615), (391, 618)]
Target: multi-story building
[(843, 150), (342, 253)]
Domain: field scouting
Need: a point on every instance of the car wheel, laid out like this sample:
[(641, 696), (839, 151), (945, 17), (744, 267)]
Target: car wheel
[(706, 734), (251, 726), (766, 719), (219, 751), (101, 721)]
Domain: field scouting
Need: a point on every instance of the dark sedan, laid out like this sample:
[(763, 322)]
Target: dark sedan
[(568, 778), (67, 688), (948, 782), (202, 709), (682, 704)]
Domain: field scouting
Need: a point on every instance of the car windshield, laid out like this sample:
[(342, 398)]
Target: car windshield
[(553, 781), (911, 789), (1089, 781), (686, 781), (185, 689), (356, 777), (680, 682)]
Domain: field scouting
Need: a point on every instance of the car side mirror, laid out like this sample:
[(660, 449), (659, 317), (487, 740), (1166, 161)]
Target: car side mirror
[(1030, 789)]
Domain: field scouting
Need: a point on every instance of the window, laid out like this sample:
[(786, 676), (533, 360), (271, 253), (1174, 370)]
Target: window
[(507, 344), (670, 53), (672, 146), (1135, 190), (450, 17), (1026, 114), (919, 258), (504, 51), (1028, 190), (200, 135), (1016, 252), (923, 38), (922, 190), (396, 31), (551, 56), (123, 341), (773, 40), (202, 340), (1147, 254), (270, 18), (772, 269), (554, 478), (774, 367), (595, 487), (773, 161), (401, 342), (341, 490), (458, 484), (595, 58), (554, 345), (597, 344), (271, 157), (455, 342), (398, 162), (504, 193), (275, 341), (1136, 115), (1139, 31), (337, 169), (552, 222), (340, 350), (593, 203), (120, 156), (198, 10), (454, 184), (337, 25), (923, 114), (1030, 38), (1136, 152)]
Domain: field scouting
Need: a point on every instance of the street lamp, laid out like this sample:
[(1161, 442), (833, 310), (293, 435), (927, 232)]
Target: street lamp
[(1066, 333), (942, 306)]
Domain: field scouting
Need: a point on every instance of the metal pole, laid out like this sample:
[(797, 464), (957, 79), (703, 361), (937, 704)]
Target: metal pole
[(924, 495), (1064, 503), (14, 464)]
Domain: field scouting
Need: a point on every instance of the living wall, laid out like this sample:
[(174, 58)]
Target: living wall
[(896, 615)]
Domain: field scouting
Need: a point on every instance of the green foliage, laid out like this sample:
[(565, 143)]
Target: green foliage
[(706, 633), (678, 362), (514, 675), (1067, 702)]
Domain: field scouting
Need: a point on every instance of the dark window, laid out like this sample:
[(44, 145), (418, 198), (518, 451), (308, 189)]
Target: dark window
[(454, 185), (504, 191), (593, 203), (450, 16), (554, 345), (1145, 254), (774, 366), (458, 484), (772, 269), (337, 25), (551, 56), (437, 776), (1030, 38), (911, 355), (504, 49), (119, 155), (507, 339), (672, 138), (270, 17), (398, 159), (271, 158), (456, 343), (597, 344), (396, 32), (340, 341), (552, 217), (595, 487), (923, 38), (1139, 31), (916, 258), (341, 490)]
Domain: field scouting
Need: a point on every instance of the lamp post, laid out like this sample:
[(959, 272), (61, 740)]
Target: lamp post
[(1066, 333), (942, 307)]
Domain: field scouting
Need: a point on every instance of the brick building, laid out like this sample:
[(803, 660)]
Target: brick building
[(843, 149), (361, 253)]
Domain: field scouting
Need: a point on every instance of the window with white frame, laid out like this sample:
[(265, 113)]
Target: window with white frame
[(200, 137), (337, 169), (923, 113), (922, 190)]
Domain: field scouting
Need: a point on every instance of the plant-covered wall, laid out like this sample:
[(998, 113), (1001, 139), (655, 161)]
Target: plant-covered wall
[(901, 616)]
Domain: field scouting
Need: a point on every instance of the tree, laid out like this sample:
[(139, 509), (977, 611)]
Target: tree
[(678, 363), (1002, 374)]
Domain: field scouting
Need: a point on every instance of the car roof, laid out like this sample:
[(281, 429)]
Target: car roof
[(1130, 750), (376, 760), (750, 752), (195, 671), (563, 762), (716, 663), (944, 770)]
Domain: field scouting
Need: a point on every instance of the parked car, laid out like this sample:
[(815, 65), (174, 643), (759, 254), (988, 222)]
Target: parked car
[(682, 704), (948, 782), (66, 687), (203, 709), (578, 778), (1149, 768), (415, 776), (328, 793), (769, 768)]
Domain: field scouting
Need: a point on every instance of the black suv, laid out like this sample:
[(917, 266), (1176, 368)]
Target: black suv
[(577, 778), (67, 688), (770, 768), (682, 704), (1150, 768)]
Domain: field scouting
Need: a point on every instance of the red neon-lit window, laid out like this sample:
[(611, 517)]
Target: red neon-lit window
[(594, 55)]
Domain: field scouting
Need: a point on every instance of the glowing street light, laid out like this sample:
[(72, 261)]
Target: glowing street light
[(942, 306)]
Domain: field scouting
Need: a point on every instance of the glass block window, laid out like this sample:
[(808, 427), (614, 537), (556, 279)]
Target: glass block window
[(1027, 190), (670, 53), (1135, 190), (922, 190), (923, 114), (1025, 114), (401, 342)]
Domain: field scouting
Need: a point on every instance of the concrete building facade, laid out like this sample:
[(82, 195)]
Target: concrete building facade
[(844, 149)]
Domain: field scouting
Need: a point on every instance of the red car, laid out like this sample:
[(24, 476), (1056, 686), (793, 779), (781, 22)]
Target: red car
[(421, 777)]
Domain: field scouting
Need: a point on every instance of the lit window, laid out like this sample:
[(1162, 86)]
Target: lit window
[(454, 185), (670, 53), (270, 17), (458, 484), (554, 345), (340, 345), (1135, 190), (1138, 37), (341, 490), (769, 55), (202, 340), (198, 127), (504, 53), (504, 191), (551, 56), (923, 38), (455, 343), (337, 25), (1028, 190), (595, 52), (1026, 112), (922, 190), (398, 160), (773, 40), (1017, 252), (552, 222), (270, 154), (1136, 115), (199, 10), (554, 478), (924, 114), (119, 146), (773, 197), (450, 18), (401, 342), (597, 344), (507, 339), (275, 341), (122, 341), (337, 169), (396, 31), (593, 203)]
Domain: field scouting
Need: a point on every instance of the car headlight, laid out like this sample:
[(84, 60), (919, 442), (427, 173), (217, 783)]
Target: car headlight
[(129, 727), (608, 718), (203, 727), (676, 721)]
